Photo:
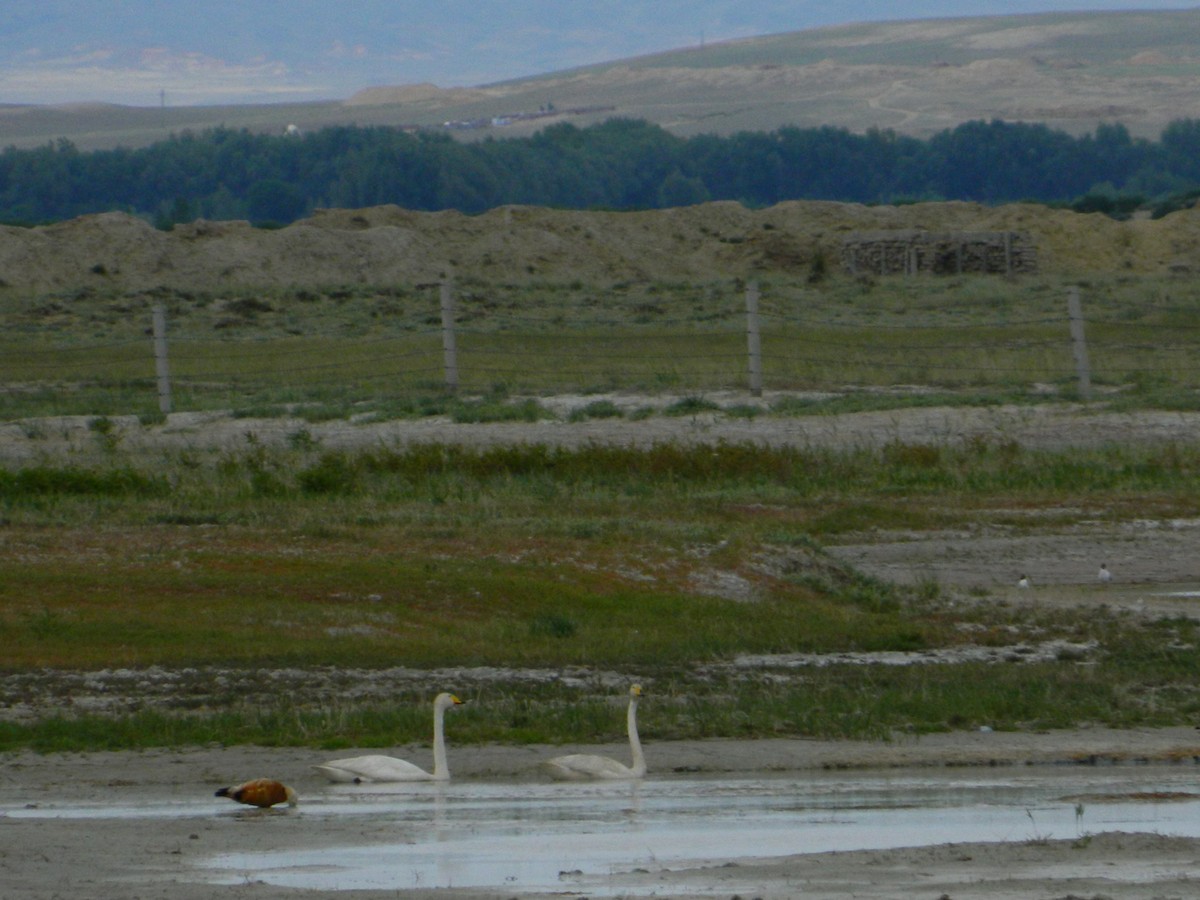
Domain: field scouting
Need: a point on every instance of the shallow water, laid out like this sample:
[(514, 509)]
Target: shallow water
[(564, 837), (541, 837)]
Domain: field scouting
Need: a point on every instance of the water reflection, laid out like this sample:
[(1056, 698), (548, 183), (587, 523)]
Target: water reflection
[(556, 837), (542, 837)]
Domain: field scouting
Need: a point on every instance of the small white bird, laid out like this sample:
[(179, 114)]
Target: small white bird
[(1105, 576), (1023, 581)]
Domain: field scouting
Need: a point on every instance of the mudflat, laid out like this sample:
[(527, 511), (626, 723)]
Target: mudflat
[(124, 856)]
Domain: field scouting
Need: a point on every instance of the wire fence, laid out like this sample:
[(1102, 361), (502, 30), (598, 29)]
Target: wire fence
[(756, 345)]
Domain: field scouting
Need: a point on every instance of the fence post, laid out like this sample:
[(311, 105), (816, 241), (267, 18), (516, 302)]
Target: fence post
[(449, 345), (161, 369), (1079, 344), (754, 339)]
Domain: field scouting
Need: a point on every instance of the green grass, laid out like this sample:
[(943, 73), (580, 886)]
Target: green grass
[(305, 483), (531, 556), (376, 350), (403, 601), (839, 702)]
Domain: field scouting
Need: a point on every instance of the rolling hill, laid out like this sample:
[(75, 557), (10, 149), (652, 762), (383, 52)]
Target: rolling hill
[(1072, 71)]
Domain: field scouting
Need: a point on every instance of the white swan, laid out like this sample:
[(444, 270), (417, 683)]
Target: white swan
[(375, 768), (1105, 575), (586, 766)]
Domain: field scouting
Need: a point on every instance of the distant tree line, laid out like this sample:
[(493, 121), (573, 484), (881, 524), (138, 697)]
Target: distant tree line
[(621, 164)]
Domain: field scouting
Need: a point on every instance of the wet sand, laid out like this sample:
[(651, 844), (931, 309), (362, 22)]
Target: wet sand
[(160, 857)]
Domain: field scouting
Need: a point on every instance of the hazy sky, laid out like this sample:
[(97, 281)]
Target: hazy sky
[(239, 51)]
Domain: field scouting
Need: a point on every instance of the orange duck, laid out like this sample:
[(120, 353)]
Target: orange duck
[(262, 792)]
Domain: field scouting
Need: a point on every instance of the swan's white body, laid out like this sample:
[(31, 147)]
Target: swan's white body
[(378, 768), (1105, 576), (590, 767)]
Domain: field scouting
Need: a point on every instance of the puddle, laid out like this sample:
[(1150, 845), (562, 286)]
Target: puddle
[(554, 838), (539, 837), (148, 808)]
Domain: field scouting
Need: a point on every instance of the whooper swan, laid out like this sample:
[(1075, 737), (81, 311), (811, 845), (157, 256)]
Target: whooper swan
[(262, 792), (376, 768), (587, 766)]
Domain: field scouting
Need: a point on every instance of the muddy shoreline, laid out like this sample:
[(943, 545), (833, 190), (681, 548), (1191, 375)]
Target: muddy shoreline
[(122, 857)]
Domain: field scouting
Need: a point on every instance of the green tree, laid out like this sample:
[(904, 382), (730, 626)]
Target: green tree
[(678, 189), (274, 201)]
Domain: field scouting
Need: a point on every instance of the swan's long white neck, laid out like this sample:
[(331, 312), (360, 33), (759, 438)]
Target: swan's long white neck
[(635, 744), (441, 771)]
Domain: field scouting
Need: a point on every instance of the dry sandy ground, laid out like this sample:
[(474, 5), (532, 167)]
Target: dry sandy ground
[(43, 858), (115, 254), (126, 858), (1051, 426)]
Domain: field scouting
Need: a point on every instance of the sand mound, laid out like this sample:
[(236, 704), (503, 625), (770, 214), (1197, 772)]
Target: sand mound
[(388, 244)]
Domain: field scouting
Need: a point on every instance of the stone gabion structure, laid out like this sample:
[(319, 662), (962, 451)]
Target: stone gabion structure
[(914, 251)]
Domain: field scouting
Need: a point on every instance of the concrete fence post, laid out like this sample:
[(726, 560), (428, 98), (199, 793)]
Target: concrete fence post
[(754, 339), (449, 344), (162, 369), (1083, 371)]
